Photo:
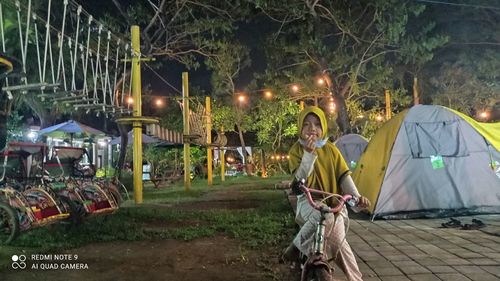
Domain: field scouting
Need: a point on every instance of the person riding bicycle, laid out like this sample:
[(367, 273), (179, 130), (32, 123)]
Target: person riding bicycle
[(319, 161)]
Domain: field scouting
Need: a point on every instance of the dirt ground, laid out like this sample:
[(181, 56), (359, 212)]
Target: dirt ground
[(211, 258)]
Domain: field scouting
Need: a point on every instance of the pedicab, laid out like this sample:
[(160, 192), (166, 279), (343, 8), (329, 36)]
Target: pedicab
[(73, 180), (25, 202)]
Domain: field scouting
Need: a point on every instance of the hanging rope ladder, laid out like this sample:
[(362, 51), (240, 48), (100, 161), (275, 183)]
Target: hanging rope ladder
[(79, 72)]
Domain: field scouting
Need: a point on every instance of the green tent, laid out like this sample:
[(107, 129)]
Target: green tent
[(431, 161)]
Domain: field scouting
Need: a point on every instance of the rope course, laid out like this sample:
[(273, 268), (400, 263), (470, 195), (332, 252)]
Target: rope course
[(70, 59), (198, 126)]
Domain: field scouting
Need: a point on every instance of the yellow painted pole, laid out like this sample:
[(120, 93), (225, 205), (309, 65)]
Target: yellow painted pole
[(137, 111), (388, 113), (187, 148), (301, 105), (222, 158), (208, 109)]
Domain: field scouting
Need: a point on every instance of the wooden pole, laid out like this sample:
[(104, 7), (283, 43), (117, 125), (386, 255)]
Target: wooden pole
[(263, 157), (222, 158), (208, 109), (187, 148), (388, 112)]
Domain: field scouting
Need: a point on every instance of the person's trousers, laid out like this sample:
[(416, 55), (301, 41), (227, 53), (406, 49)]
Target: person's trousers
[(336, 246)]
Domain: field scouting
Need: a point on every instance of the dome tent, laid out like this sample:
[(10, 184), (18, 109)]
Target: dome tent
[(431, 161), (351, 146)]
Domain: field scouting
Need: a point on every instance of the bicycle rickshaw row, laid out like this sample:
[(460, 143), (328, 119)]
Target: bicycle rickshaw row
[(38, 188)]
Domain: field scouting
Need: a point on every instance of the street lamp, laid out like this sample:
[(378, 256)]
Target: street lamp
[(268, 95)]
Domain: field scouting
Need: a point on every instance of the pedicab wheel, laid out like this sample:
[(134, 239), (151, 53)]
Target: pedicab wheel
[(116, 196), (76, 211), (9, 224)]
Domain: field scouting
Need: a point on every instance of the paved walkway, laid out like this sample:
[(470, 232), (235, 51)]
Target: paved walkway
[(422, 250), (400, 250)]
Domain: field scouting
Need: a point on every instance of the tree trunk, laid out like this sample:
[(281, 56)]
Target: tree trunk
[(342, 115), (416, 94), (343, 120), (5, 104), (244, 152), (46, 115), (123, 149)]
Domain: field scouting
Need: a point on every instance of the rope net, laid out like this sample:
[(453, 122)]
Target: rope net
[(198, 126), (66, 57)]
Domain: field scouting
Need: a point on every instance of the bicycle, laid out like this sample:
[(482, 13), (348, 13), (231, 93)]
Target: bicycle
[(316, 267)]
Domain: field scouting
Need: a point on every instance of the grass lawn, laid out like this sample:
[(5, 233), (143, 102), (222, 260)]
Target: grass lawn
[(270, 223)]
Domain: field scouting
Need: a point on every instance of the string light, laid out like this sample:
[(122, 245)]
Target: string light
[(242, 98), (484, 115)]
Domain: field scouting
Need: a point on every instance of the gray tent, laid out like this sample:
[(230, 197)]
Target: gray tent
[(351, 147), (431, 161)]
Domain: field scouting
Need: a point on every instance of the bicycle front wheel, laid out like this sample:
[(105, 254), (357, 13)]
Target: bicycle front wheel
[(9, 223)]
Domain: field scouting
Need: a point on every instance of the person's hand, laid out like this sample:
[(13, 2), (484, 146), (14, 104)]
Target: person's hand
[(364, 202), (310, 145)]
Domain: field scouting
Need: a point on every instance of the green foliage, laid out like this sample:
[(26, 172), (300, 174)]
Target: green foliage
[(107, 172), (358, 44), (159, 158), (15, 127), (275, 121), (460, 87), (198, 155), (223, 116)]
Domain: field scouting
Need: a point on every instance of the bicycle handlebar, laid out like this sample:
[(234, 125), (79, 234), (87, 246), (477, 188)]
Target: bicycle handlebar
[(343, 199)]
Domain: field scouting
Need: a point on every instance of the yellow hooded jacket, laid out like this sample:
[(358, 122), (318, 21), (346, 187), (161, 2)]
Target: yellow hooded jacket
[(329, 167)]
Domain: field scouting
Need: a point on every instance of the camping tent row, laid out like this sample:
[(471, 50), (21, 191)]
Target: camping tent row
[(431, 161)]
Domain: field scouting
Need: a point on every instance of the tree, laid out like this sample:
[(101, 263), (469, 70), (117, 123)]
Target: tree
[(464, 73), (228, 60), (180, 31), (461, 88), (353, 45)]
